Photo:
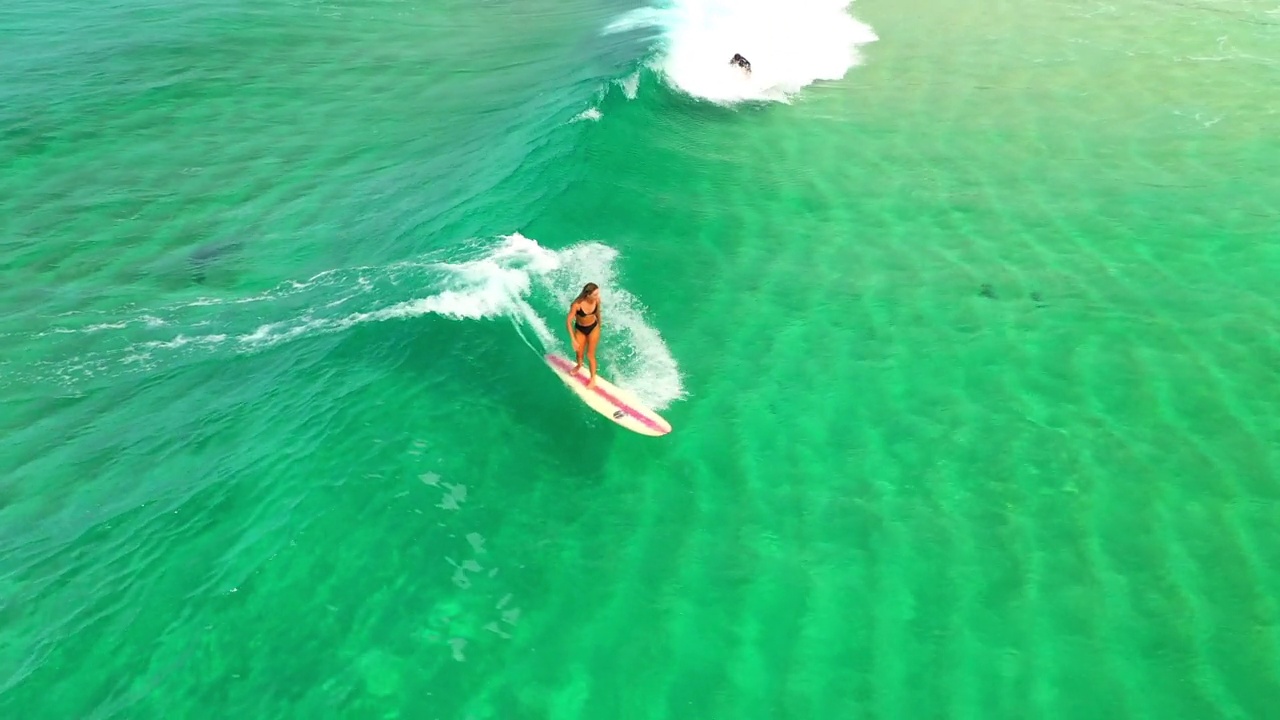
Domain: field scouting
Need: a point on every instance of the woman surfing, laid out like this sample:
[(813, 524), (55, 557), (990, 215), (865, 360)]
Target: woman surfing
[(583, 323)]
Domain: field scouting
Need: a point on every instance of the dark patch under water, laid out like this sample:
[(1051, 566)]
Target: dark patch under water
[(202, 258)]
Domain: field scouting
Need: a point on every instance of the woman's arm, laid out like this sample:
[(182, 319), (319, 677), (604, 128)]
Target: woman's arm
[(568, 320)]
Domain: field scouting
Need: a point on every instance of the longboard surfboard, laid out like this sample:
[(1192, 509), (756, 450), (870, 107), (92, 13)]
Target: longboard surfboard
[(611, 401)]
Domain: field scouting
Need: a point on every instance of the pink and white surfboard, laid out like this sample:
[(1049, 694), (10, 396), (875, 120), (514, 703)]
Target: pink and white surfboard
[(609, 400)]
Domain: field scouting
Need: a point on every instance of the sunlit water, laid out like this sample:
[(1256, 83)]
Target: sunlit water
[(964, 316)]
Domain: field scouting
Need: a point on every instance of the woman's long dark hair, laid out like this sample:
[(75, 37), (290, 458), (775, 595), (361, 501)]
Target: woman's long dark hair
[(586, 292)]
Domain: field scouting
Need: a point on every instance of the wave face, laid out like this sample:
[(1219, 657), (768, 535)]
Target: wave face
[(791, 45)]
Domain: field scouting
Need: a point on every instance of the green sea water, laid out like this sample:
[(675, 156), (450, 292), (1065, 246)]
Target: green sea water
[(968, 334)]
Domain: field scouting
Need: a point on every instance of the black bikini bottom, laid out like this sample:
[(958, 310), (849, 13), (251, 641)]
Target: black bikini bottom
[(586, 330)]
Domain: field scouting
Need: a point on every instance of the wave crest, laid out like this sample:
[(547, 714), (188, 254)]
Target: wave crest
[(790, 43)]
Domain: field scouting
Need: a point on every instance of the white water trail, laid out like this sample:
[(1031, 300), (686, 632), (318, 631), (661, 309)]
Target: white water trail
[(790, 44), (510, 277)]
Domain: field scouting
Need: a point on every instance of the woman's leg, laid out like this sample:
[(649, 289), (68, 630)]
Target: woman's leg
[(592, 339), (579, 345)]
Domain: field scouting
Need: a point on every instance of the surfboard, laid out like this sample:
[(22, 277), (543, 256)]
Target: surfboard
[(611, 401)]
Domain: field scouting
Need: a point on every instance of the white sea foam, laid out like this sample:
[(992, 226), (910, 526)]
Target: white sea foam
[(790, 44), (630, 85)]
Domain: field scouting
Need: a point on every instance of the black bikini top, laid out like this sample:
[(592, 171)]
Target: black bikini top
[(584, 314)]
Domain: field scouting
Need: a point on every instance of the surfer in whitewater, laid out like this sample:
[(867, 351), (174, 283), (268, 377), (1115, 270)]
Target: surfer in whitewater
[(741, 62), (584, 326)]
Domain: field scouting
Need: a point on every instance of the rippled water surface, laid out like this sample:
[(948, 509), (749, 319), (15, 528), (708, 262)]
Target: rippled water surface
[(964, 316)]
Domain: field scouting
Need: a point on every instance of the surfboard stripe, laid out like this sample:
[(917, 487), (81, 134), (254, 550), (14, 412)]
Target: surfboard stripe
[(621, 405)]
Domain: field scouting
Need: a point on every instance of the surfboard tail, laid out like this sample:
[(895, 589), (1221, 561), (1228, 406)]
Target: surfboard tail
[(617, 404)]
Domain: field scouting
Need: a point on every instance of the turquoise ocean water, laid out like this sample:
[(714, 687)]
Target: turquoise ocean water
[(964, 315)]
